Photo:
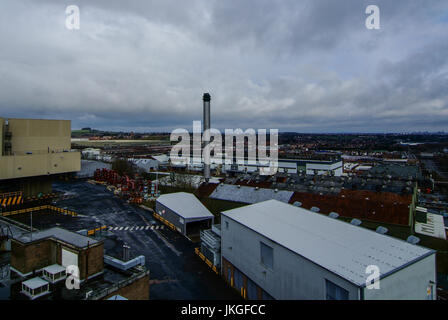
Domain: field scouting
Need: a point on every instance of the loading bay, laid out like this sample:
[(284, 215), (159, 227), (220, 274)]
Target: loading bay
[(176, 271)]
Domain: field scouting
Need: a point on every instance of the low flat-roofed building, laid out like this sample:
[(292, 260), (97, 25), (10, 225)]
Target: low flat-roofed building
[(32, 252), (185, 212), (246, 194), (331, 168), (276, 250), (35, 288), (54, 273)]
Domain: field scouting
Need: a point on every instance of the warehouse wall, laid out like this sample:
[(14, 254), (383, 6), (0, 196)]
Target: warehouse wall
[(35, 135), (38, 147), (171, 216), (410, 283), (292, 277), (39, 164)]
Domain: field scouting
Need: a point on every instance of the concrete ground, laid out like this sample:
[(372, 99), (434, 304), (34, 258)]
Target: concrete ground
[(175, 271)]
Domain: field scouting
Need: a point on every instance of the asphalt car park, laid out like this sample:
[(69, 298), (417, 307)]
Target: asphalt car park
[(175, 271)]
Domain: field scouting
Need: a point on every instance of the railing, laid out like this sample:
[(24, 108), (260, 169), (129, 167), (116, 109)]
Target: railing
[(166, 222), (39, 208), (208, 262), (116, 286), (93, 231)]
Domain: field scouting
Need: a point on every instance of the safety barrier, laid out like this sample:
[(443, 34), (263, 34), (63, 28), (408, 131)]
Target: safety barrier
[(208, 262), (93, 231), (164, 221), (44, 207), (11, 200)]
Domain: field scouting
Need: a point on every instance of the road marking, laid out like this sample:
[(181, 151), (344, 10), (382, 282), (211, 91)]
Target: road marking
[(137, 228)]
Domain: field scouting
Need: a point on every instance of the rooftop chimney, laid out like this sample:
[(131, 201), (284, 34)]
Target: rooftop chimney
[(206, 126)]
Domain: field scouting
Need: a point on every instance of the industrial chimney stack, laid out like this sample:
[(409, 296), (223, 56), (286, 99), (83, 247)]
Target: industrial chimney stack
[(206, 126)]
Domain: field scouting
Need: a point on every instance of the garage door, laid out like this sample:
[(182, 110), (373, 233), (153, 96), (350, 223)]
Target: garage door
[(69, 258)]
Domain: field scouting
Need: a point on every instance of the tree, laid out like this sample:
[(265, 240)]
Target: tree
[(123, 167)]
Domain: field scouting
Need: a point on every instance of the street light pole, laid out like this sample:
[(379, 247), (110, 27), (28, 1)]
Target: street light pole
[(31, 226)]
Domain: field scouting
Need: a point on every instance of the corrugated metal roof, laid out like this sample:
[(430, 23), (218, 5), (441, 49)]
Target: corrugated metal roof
[(185, 204), (335, 245), (246, 194)]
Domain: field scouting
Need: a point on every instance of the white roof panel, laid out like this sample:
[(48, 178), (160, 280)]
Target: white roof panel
[(185, 204), (54, 268), (337, 246), (35, 283)]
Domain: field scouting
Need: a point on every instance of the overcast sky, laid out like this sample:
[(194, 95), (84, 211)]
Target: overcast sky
[(292, 65)]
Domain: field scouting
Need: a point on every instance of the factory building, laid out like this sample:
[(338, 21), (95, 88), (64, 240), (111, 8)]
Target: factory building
[(32, 153), (32, 252), (250, 195), (329, 168), (240, 165), (91, 153), (183, 210), (280, 251)]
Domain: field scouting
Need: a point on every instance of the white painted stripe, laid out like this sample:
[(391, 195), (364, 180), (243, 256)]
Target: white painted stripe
[(131, 229), (125, 229), (152, 228), (147, 228), (121, 228)]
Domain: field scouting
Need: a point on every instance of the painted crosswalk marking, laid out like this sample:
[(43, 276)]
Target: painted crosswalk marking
[(136, 228)]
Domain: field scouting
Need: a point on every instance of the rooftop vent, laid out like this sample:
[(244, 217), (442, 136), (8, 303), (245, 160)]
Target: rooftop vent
[(413, 239), (356, 222), (333, 215), (382, 230), (297, 204), (315, 209)]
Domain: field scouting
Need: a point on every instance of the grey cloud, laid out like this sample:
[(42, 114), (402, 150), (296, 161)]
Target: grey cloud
[(292, 65)]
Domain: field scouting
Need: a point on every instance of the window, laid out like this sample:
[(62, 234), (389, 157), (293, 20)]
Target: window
[(267, 255), (227, 225), (335, 292)]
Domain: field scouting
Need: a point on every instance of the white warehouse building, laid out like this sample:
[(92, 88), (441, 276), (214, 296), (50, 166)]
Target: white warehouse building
[(325, 168), (273, 250)]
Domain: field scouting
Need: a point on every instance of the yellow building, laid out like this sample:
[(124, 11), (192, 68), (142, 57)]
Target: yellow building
[(33, 152)]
